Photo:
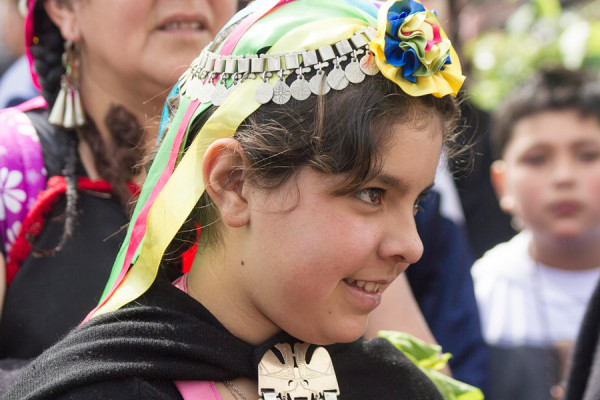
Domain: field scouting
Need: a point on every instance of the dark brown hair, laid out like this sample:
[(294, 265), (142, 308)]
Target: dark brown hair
[(554, 88)]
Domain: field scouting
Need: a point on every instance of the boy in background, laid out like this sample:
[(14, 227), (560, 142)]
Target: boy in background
[(532, 290)]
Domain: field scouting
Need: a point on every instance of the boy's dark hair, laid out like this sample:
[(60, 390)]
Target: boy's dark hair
[(550, 89)]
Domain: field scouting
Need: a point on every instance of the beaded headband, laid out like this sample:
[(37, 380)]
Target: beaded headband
[(267, 44)]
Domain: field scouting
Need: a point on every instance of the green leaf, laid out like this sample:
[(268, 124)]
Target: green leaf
[(430, 360)]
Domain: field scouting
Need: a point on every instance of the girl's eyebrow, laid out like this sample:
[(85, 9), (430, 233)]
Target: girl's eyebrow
[(396, 183), (391, 181)]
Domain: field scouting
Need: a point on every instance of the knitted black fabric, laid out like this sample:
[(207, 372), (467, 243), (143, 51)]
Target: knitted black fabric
[(138, 351), (583, 382), (52, 295)]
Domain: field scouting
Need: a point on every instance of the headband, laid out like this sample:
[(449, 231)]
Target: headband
[(339, 41)]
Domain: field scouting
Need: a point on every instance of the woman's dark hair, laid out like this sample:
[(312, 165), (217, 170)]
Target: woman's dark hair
[(117, 164), (551, 89), (342, 132)]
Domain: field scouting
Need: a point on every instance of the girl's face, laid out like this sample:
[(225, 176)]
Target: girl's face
[(551, 176), (141, 47), (315, 263)]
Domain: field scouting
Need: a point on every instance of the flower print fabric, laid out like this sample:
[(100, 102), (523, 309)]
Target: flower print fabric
[(22, 173)]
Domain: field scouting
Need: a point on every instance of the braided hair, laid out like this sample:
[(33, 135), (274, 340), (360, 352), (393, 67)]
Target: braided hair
[(116, 163)]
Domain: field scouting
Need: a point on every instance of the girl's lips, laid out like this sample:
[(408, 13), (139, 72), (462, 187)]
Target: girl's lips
[(364, 295), (367, 286)]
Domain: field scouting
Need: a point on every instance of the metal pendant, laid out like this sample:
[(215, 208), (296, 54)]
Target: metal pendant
[(296, 378), (300, 88), (368, 65), (219, 94), (205, 94), (193, 89), (264, 93), (336, 78), (353, 72), (318, 84), (281, 93)]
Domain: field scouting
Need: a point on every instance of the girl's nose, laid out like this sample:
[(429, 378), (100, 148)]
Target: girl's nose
[(401, 241)]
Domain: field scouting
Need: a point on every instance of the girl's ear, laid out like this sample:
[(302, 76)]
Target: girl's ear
[(498, 176), (63, 16), (223, 169)]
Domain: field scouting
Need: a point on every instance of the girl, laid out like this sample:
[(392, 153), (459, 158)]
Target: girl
[(301, 142)]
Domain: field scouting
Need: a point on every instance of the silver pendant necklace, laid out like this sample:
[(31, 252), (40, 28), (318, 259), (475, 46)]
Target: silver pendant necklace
[(295, 377), (235, 392)]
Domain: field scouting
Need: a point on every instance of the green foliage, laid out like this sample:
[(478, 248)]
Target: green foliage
[(430, 360), (539, 33)]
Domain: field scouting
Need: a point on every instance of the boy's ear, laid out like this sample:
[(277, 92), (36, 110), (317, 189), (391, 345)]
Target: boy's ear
[(63, 16), (223, 169), (498, 176)]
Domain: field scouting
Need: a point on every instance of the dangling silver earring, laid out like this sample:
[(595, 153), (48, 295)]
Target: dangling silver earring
[(67, 110)]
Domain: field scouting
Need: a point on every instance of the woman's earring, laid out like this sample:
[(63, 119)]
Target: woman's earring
[(67, 110)]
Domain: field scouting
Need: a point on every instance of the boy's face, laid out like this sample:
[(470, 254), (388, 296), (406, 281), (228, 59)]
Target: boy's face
[(549, 177)]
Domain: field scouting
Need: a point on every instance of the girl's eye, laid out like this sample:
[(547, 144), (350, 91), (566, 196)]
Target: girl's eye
[(371, 195), (418, 204)]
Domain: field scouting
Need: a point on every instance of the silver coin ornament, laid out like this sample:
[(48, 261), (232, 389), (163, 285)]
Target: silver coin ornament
[(194, 89), (205, 94), (336, 78), (353, 72), (219, 94), (300, 88), (264, 93), (368, 65), (318, 84), (281, 93)]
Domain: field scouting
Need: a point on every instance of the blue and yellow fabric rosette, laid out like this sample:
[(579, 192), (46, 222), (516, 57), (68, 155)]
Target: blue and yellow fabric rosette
[(413, 50)]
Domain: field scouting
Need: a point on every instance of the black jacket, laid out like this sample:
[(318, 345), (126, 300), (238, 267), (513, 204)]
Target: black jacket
[(138, 351)]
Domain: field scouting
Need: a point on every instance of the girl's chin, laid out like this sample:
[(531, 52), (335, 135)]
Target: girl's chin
[(342, 336)]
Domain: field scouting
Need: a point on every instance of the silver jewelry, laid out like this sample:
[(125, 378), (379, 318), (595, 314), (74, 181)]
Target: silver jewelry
[(353, 72), (337, 78), (212, 77), (281, 92), (295, 378), (237, 393), (67, 110), (318, 83), (368, 64), (300, 88)]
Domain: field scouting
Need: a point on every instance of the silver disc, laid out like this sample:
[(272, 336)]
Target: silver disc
[(300, 89), (353, 72), (336, 78), (194, 89), (264, 93), (368, 65), (318, 84), (281, 93), (205, 94), (219, 95)]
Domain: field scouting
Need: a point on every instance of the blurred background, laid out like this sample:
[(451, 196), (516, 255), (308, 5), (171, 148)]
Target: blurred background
[(504, 41)]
